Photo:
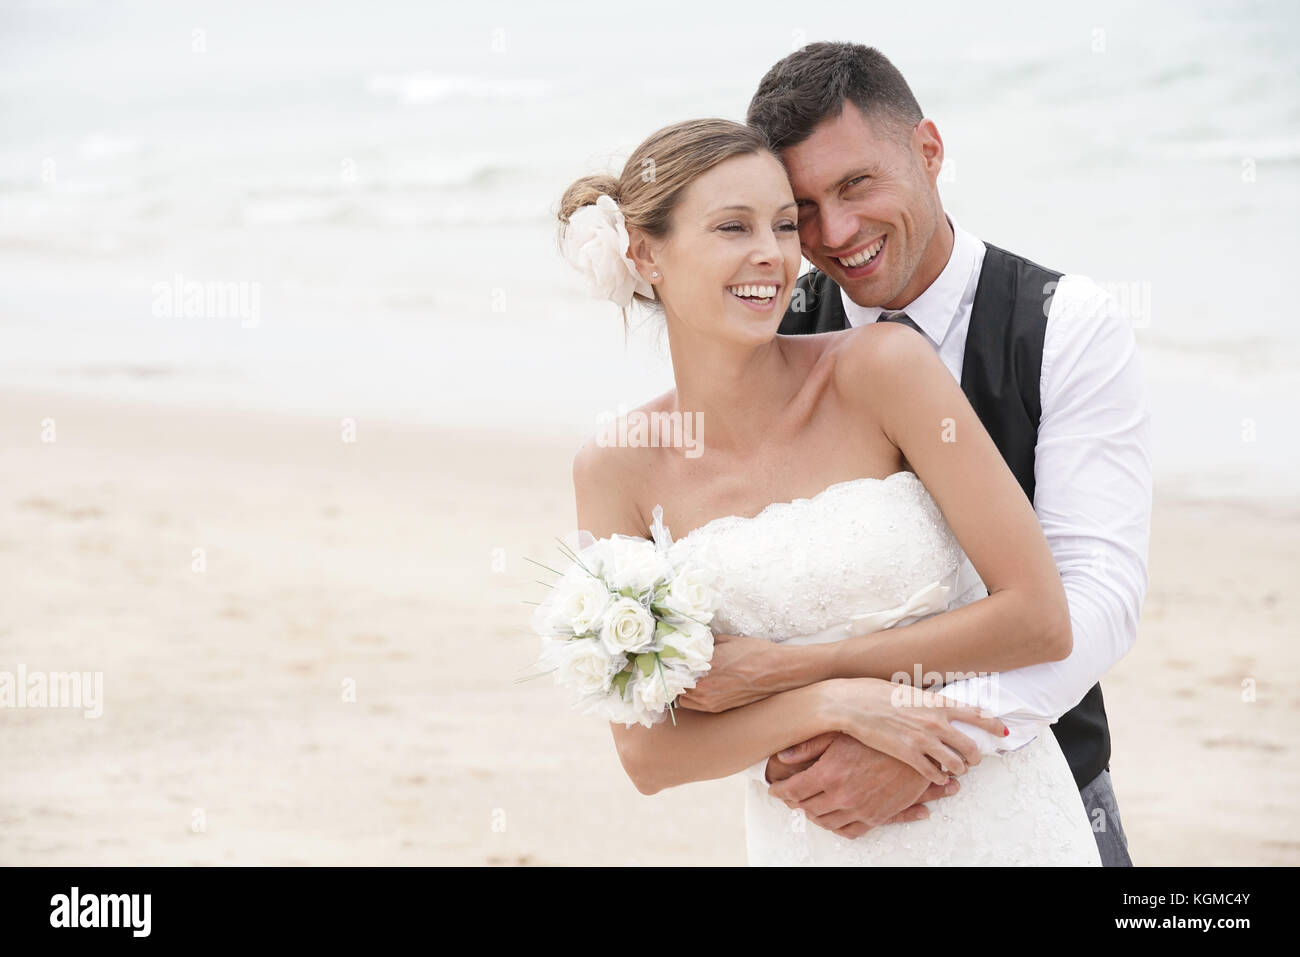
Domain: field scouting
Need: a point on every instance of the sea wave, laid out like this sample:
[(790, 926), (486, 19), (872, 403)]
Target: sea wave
[(1284, 150), (419, 88)]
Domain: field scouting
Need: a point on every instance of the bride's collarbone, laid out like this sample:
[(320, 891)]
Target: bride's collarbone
[(693, 497)]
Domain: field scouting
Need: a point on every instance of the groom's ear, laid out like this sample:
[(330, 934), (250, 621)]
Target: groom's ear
[(929, 143)]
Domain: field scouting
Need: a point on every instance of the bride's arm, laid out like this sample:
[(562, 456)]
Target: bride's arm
[(704, 746), (890, 375), (889, 378), (911, 725)]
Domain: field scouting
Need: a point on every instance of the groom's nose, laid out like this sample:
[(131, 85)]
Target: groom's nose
[(838, 224)]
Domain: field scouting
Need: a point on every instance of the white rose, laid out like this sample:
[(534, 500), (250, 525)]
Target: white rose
[(628, 711), (627, 627), (591, 556), (595, 242), (633, 563), (664, 683), (563, 606), (581, 602), (583, 665), (547, 620), (694, 643), (692, 594)]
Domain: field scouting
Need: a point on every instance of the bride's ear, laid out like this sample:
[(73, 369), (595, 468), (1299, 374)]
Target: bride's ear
[(641, 250)]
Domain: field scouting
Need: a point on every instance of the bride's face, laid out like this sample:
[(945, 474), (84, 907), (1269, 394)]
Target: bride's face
[(731, 257)]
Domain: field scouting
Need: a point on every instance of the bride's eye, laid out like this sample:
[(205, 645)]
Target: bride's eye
[(732, 228), (788, 227)]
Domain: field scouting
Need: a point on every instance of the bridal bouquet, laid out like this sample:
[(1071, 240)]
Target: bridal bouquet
[(626, 628)]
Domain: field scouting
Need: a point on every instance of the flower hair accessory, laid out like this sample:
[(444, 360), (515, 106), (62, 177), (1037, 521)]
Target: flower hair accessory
[(595, 243)]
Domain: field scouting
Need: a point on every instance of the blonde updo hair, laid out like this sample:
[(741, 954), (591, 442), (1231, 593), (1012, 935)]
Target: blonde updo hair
[(660, 169)]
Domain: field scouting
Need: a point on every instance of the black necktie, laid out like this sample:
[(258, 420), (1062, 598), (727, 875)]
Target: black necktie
[(902, 317)]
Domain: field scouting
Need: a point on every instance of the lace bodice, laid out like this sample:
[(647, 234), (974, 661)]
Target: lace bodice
[(859, 547)]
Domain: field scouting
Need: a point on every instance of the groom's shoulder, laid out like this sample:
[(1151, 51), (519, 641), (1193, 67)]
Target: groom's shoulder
[(1078, 300), (1066, 296), (992, 251), (815, 305), (1092, 318), (814, 280), (817, 286)]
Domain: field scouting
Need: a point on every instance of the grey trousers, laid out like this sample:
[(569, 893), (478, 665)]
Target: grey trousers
[(1103, 814)]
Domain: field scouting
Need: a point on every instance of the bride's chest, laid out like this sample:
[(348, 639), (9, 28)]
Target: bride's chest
[(798, 567)]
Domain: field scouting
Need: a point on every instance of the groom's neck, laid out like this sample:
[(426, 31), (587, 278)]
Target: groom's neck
[(933, 260)]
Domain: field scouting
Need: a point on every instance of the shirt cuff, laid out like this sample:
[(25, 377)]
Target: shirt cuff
[(757, 772), (984, 691)]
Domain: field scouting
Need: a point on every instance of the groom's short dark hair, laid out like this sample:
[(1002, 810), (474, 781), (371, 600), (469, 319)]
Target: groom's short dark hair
[(811, 85)]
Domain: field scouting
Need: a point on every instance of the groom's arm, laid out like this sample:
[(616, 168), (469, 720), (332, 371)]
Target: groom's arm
[(1092, 496), (1093, 499)]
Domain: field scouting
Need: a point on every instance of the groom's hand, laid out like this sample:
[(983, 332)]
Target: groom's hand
[(846, 787)]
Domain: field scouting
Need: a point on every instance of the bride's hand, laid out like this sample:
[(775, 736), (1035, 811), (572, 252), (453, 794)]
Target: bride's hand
[(909, 724), (742, 670)]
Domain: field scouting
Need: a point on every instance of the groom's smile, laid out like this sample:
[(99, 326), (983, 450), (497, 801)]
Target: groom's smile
[(863, 260)]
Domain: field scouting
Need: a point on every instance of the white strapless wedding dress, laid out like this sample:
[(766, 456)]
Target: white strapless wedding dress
[(860, 556)]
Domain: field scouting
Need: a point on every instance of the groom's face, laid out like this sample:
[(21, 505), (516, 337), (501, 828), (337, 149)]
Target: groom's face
[(868, 203)]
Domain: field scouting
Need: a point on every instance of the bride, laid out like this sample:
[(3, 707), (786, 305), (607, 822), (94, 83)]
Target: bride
[(862, 520)]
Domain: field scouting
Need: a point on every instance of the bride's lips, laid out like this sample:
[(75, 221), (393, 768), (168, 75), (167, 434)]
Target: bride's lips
[(867, 268)]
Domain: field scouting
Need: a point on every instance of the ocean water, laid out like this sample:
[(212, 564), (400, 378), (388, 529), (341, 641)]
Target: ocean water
[(365, 195)]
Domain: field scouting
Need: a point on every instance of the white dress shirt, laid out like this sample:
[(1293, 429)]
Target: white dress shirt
[(1092, 475)]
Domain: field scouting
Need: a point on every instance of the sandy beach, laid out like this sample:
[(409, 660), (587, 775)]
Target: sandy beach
[(331, 677)]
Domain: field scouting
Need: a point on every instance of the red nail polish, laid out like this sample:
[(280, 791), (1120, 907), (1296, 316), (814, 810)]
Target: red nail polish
[(1005, 731)]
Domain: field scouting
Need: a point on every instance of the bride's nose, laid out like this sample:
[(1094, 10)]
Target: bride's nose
[(767, 249)]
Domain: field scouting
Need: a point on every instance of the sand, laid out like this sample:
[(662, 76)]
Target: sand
[(332, 678)]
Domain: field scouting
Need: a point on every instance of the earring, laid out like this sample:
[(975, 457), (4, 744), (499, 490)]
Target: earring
[(654, 275)]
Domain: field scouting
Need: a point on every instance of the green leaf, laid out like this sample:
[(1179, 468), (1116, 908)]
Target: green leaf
[(620, 681), (670, 652), (646, 662)]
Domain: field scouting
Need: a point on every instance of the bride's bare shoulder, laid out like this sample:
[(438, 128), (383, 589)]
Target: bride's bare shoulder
[(878, 354), (603, 489), (608, 473)]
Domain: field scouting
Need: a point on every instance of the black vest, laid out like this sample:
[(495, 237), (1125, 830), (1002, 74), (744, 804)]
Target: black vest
[(1000, 375)]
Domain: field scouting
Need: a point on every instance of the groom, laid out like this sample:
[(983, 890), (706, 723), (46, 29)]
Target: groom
[(1049, 366)]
